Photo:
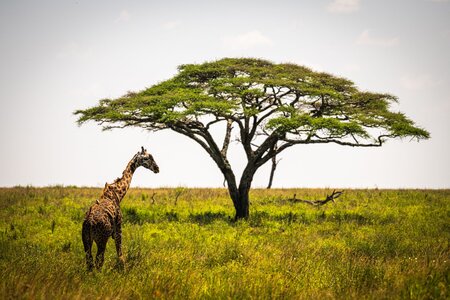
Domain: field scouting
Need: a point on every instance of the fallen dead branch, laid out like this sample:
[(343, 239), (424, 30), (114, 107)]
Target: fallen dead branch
[(153, 197), (329, 198)]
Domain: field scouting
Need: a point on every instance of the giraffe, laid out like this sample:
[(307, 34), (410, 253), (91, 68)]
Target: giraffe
[(104, 218)]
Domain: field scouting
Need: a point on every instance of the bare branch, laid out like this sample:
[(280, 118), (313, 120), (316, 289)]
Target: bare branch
[(274, 167), (226, 141), (329, 198), (192, 135), (378, 143), (217, 120), (153, 198)]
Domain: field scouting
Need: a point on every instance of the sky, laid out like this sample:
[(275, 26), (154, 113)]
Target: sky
[(60, 56)]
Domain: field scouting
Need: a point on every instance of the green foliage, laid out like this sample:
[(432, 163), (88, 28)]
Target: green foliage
[(332, 127), (383, 244), (324, 105)]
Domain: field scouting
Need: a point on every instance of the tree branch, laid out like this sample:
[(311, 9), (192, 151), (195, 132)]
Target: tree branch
[(208, 143), (329, 198), (191, 135), (226, 141), (217, 120), (378, 143), (273, 169)]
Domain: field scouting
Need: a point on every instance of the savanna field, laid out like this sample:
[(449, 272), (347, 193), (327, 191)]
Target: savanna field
[(183, 244)]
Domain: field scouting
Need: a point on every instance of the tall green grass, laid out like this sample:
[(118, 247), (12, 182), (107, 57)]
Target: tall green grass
[(371, 244)]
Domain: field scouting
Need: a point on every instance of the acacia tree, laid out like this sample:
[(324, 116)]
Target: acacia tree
[(269, 107)]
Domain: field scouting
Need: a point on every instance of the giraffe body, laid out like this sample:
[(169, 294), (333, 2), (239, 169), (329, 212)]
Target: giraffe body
[(104, 217)]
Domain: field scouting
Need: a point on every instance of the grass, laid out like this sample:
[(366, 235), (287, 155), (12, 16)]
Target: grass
[(371, 244)]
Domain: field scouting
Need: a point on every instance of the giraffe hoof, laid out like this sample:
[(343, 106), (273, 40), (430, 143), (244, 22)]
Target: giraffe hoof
[(121, 263)]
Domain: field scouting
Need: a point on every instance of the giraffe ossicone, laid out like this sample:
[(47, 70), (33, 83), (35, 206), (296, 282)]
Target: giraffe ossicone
[(104, 217)]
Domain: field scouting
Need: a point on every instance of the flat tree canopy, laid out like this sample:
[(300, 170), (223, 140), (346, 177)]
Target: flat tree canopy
[(270, 107)]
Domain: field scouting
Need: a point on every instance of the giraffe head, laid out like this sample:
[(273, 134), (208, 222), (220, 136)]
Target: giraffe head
[(145, 159)]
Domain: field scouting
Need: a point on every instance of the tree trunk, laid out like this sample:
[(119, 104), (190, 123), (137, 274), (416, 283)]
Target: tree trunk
[(240, 196), (242, 205)]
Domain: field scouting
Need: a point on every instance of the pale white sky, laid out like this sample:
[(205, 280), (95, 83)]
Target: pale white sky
[(59, 56)]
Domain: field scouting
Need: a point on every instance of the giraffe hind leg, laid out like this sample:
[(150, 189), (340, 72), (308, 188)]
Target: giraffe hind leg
[(100, 257), (87, 243)]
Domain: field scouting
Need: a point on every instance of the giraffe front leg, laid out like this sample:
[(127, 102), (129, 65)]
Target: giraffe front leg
[(118, 240)]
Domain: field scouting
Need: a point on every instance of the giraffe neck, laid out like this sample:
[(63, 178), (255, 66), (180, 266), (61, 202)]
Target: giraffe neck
[(119, 188)]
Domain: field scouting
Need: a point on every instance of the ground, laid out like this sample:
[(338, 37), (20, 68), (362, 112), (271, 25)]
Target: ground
[(183, 244)]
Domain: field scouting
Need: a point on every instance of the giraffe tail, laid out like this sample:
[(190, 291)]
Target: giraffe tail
[(86, 235)]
